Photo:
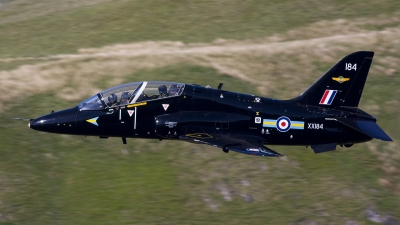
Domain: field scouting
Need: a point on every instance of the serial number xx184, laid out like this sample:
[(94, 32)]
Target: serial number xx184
[(315, 126)]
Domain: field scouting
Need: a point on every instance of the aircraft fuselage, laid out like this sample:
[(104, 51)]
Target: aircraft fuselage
[(226, 112), (324, 116)]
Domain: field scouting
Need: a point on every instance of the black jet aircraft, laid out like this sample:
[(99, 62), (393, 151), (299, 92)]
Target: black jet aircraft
[(324, 116)]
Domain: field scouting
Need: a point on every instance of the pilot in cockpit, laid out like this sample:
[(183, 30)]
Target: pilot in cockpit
[(112, 100), (173, 90), (125, 98), (163, 91)]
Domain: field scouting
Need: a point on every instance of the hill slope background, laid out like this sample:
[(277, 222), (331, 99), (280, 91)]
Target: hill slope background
[(55, 54)]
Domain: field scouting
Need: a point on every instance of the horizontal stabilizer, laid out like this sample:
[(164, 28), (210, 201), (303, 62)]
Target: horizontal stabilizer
[(367, 127)]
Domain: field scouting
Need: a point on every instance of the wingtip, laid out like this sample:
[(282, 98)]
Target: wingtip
[(387, 139), (273, 153)]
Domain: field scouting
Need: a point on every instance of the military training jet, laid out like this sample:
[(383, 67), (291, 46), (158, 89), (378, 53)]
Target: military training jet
[(324, 116)]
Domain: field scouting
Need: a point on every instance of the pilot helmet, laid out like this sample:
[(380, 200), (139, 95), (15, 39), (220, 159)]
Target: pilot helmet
[(112, 99), (173, 90), (125, 97), (162, 90)]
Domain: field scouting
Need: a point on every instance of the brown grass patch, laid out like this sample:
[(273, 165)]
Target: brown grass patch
[(260, 62)]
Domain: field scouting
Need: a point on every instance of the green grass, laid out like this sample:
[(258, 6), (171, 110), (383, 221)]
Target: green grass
[(60, 179), (78, 180), (68, 30)]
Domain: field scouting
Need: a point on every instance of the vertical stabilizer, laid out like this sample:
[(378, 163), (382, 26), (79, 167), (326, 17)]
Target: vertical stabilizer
[(342, 85)]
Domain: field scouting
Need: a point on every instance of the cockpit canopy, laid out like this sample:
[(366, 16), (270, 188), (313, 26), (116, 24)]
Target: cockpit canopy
[(131, 93)]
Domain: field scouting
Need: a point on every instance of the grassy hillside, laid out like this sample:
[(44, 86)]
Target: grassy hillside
[(55, 54), (36, 28)]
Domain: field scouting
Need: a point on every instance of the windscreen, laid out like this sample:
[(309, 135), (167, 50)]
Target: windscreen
[(118, 95), (131, 93)]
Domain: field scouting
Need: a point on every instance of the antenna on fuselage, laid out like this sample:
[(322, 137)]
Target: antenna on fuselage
[(220, 86)]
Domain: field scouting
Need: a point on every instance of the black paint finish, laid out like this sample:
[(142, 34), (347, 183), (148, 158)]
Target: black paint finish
[(324, 116)]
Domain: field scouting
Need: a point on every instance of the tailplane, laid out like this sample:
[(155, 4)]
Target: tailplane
[(367, 127), (342, 85)]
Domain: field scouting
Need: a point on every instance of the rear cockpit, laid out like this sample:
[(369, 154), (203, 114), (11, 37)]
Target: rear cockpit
[(131, 93)]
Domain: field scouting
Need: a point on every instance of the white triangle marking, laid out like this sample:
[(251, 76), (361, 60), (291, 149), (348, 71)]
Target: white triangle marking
[(165, 106)]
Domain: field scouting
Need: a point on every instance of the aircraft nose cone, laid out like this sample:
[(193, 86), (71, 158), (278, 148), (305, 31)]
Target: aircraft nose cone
[(63, 122)]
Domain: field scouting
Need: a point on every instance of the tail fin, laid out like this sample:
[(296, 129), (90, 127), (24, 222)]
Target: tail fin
[(342, 85)]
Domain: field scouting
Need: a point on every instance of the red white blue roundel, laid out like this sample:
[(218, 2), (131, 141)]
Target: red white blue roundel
[(283, 124)]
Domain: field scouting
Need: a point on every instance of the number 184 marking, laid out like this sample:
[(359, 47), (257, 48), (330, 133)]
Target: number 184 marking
[(349, 66)]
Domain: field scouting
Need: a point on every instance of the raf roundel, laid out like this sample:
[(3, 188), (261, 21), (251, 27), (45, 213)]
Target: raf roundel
[(283, 124)]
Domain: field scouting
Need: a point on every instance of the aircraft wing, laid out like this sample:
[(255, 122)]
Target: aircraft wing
[(245, 144)]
